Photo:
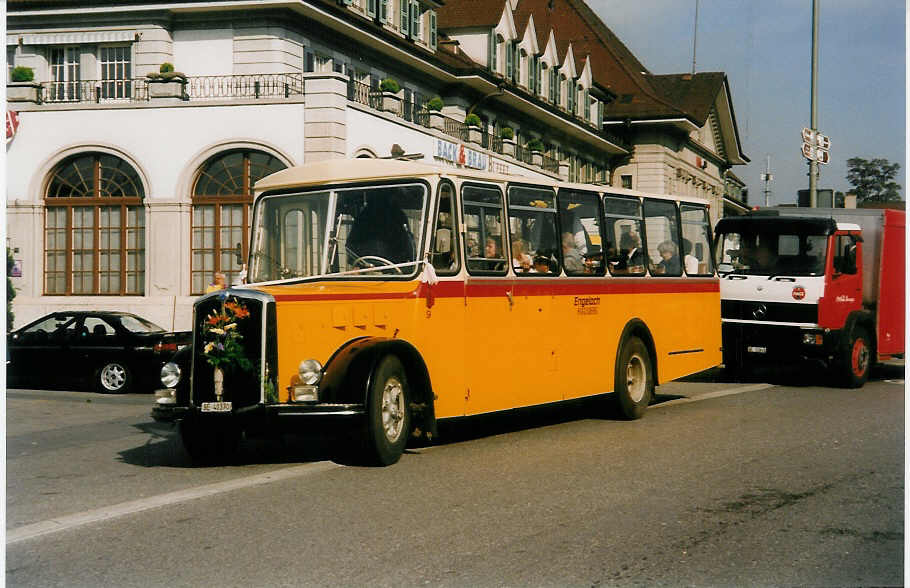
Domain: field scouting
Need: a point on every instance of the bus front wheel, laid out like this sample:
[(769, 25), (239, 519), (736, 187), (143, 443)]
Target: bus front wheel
[(388, 417), (634, 379)]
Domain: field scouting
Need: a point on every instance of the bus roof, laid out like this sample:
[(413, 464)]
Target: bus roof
[(334, 171)]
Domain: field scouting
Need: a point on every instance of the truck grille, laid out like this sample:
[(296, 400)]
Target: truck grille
[(780, 312), (241, 387)]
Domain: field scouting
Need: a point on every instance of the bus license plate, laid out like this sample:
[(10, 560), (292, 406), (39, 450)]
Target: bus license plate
[(216, 407), (757, 349)]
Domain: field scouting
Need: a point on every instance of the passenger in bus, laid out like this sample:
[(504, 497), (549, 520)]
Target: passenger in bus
[(541, 265), (571, 256), (521, 261), (381, 230), (630, 258), (669, 263), (689, 261), (492, 251)]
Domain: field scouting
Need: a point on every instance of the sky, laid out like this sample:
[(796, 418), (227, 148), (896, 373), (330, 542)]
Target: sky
[(765, 49)]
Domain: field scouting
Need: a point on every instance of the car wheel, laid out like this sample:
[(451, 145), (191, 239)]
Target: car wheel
[(114, 377), (634, 378), (388, 417), (856, 359)]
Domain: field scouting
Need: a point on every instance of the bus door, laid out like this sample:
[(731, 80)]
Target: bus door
[(442, 335), (535, 260), (489, 339)]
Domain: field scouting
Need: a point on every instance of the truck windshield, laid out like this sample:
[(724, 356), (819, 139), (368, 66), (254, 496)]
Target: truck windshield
[(771, 253), (352, 232)]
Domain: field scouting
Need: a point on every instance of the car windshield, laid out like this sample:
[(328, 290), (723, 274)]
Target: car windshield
[(355, 232), (136, 324), (771, 253)]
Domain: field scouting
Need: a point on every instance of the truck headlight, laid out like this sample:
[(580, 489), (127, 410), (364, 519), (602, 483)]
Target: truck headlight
[(310, 372), (170, 375)]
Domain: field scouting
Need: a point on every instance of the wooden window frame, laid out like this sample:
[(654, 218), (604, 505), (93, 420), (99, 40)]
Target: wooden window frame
[(244, 198), (95, 199)]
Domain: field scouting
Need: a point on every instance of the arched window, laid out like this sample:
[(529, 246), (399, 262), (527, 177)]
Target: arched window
[(221, 208), (94, 227)]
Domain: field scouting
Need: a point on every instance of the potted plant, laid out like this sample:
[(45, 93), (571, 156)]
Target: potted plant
[(391, 95), (508, 141), (535, 146), (473, 123), (434, 108), (167, 83), (23, 88)]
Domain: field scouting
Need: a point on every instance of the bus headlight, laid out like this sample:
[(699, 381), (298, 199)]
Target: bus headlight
[(310, 372), (170, 374)]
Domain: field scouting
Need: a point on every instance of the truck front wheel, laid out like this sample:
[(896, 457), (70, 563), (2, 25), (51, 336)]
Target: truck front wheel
[(856, 358)]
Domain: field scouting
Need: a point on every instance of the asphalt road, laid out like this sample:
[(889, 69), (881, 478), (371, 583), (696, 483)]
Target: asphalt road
[(766, 482)]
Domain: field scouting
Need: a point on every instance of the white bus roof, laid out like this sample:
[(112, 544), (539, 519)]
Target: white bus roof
[(333, 171)]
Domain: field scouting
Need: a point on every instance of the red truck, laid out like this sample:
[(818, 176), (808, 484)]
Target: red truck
[(813, 283)]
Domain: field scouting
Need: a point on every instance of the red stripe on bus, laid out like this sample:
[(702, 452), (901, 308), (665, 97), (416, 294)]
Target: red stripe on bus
[(527, 287)]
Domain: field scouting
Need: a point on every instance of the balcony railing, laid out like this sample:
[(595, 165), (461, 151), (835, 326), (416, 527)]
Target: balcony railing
[(98, 91), (282, 85)]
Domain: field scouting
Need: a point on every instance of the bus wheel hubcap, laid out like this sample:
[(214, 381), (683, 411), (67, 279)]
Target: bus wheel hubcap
[(392, 409), (635, 378)]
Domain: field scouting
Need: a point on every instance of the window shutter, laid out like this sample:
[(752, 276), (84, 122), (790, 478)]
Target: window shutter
[(509, 62), (433, 29), (600, 115), (415, 19), (492, 52), (587, 99), (405, 19)]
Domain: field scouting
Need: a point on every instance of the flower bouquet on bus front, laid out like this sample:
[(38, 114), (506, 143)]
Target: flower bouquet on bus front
[(223, 347)]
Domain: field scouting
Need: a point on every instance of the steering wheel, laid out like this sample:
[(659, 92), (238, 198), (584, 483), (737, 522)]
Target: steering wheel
[(364, 261)]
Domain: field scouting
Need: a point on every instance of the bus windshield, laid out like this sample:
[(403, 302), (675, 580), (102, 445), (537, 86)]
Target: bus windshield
[(769, 253), (359, 231)]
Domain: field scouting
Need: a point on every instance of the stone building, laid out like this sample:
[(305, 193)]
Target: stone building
[(129, 185)]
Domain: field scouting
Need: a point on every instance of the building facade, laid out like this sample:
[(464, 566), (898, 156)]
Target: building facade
[(130, 184)]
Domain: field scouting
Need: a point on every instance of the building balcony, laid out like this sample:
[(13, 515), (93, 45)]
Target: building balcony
[(268, 87)]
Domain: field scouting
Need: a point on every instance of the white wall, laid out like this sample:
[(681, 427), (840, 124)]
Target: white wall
[(205, 52)]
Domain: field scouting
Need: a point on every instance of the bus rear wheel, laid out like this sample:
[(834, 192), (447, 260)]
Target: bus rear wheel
[(634, 379), (388, 417)]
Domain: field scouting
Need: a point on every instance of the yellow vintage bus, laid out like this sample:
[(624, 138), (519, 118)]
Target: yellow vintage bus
[(389, 295)]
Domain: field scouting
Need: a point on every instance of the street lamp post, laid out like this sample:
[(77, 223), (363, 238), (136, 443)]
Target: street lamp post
[(813, 123)]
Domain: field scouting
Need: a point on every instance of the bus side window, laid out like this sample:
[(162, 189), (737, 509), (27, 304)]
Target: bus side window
[(696, 243), (662, 237), (444, 251), (532, 229), (484, 221), (623, 249), (582, 246)]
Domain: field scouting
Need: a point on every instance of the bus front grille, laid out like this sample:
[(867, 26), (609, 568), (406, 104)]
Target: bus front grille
[(242, 387)]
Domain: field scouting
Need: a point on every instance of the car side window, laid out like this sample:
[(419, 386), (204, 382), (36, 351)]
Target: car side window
[(98, 327)]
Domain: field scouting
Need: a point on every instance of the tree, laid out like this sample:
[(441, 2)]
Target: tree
[(873, 180)]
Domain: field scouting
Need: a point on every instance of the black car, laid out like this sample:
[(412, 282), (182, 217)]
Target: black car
[(114, 351)]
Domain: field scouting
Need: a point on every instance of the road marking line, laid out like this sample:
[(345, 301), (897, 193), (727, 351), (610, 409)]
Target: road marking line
[(715, 394), (134, 506)]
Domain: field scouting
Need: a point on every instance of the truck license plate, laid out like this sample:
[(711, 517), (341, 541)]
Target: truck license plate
[(216, 407), (757, 349)]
